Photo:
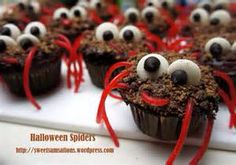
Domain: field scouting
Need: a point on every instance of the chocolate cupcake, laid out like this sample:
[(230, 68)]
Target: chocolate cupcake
[(71, 23), (32, 63), (106, 46)]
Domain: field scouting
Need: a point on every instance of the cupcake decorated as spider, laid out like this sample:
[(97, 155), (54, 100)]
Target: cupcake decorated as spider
[(107, 45), (71, 23), (30, 61)]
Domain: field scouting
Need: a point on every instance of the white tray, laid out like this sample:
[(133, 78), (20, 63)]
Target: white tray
[(65, 110)]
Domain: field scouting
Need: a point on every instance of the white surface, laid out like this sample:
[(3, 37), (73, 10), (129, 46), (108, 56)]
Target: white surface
[(66, 110), (130, 152)]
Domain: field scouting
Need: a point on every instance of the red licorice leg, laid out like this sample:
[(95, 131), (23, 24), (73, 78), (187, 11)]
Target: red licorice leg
[(106, 92), (155, 39), (79, 78), (154, 101), (26, 76), (205, 143), (183, 134), (230, 106)]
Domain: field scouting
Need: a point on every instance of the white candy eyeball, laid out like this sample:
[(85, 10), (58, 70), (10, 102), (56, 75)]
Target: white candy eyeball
[(207, 5), (132, 15), (26, 41), (149, 14), (107, 31), (34, 6), (217, 46), (36, 28), (6, 42), (220, 17), (152, 66), (10, 30), (199, 16), (167, 4), (233, 48), (130, 33), (154, 3), (61, 13), (95, 4), (184, 71), (221, 4), (83, 3), (78, 12)]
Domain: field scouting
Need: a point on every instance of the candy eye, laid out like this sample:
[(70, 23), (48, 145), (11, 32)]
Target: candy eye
[(221, 4), (22, 4), (205, 5), (26, 41), (132, 15), (217, 46), (199, 16), (233, 48), (10, 30), (152, 66), (167, 4), (78, 12), (6, 42), (220, 17), (107, 31), (184, 71), (84, 4), (154, 3), (36, 28), (95, 4), (150, 13), (130, 33), (61, 13), (34, 6)]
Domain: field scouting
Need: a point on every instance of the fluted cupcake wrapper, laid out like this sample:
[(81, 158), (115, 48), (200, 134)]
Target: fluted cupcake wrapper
[(42, 79), (164, 128)]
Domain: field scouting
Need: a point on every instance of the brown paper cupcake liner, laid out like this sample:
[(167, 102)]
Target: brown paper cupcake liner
[(42, 79), (164, 128)]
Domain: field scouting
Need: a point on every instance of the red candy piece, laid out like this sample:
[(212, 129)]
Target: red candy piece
[(154, 101)]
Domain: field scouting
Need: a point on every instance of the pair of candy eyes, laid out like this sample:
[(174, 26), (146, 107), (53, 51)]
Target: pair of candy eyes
[(75, 12), (218, 17), (33, 6), (35, 28), (108, 31), (219, 46), (164, 4), (182, 71), (211, 6)]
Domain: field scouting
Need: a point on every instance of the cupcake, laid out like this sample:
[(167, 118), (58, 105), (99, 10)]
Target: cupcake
[(30, 63), (71, 23), (108, 45), (170, 95)]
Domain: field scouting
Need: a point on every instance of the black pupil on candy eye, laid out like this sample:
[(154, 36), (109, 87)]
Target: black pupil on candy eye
[(164, 4), (26, 43), (21, 6), (179, 77), (35, 31), (196, 17), (128, 35), (77, 13), (63, 15), (219, 7), (150, 4), (108, 35), (152, 64), (132, 17), (215, 21), (3, 46), (98, 5), (216, 50), (149, 16), (30, 8), (5, 31)]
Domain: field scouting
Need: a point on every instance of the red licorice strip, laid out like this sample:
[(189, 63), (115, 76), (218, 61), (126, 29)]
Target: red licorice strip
[(118, 86), (62, 44), (79, 79), (65, 39), (230, 83), (150, 46), (95, 18), (230, 106), (10, 60), (106, 92), (153, 101), (183, 134), (132, 53), (113, 68), (118, 20), (26, 75), (205, 143)]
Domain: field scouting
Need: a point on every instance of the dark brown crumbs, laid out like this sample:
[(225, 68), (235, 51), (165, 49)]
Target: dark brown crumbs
[(204, 95)]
